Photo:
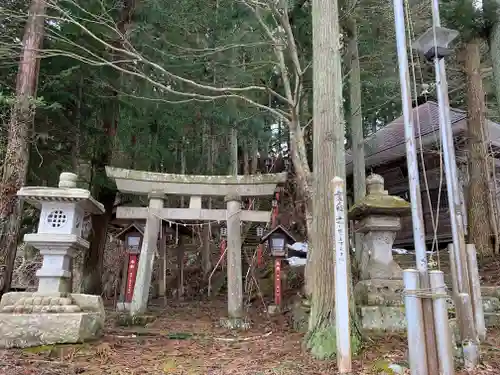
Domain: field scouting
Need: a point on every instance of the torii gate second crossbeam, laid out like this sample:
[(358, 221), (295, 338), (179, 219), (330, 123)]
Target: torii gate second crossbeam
[(158, 185)]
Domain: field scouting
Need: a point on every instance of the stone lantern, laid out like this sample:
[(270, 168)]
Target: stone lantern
[(53, 314), (379, 293), (378, 218)]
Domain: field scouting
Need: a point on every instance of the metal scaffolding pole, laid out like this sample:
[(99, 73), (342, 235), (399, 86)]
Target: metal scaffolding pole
[(450, 166), (414, 185)]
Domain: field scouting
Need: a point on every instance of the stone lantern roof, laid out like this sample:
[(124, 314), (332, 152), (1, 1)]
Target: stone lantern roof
[(67, 192), (377, 201)]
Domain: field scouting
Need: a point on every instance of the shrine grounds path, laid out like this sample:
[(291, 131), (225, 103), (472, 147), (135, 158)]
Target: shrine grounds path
[(184, 339)]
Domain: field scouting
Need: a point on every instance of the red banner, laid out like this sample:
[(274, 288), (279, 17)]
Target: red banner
[(259, 255), (277, 282), (131, 275)]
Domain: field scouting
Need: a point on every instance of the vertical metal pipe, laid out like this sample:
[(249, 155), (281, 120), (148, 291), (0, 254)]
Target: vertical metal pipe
[(475, 287), (443, 335), (411, 151), (415, 322), (413, 177)]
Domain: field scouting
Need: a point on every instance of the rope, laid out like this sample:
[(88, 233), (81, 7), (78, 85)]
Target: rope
[(425, 293)]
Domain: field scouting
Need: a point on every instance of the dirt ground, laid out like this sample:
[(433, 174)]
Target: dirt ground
[(185, 339)]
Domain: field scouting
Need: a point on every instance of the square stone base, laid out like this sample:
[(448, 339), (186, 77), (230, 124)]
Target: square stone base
[(34, 319), (379, 319), (379, 292), (28, 330)]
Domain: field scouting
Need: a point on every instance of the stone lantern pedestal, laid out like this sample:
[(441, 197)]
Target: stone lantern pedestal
[(379, 293), (53, 314)]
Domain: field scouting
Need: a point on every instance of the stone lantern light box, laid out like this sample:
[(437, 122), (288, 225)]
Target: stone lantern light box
[(60, 229)]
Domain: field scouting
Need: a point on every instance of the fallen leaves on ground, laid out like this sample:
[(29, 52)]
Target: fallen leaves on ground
[(185, 340)]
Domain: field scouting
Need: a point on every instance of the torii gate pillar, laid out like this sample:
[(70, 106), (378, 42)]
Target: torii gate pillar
[(146, 260), (234, 268)]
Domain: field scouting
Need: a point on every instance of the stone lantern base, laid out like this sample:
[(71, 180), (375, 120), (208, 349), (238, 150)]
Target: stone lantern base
[(381, 305), (34, 319)]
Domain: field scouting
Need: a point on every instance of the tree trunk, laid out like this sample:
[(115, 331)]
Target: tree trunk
[(479, 207), (15, 165), (254, 151), (328, 162), (206, 253), (233, 144), (494, 44), (303, 179), (246, 159), (356, 126), (76, 261), (93, 261)]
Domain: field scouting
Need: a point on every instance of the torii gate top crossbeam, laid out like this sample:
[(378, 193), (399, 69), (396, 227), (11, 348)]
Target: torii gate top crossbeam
[(143, 182)]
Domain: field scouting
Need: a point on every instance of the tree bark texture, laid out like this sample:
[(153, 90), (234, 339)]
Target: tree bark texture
[(246, 158), (206, 252), (479, 207), (494, 44), (15, 164), (328, 162), (254, 151), (356, 125), (233, 151)]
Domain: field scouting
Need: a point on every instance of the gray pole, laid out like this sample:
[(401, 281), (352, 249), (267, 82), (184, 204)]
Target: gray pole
[(417, 216), (413, 179), (450, 166), (463, 305)]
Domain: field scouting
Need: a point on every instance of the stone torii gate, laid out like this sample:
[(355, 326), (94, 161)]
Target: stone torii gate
[(158, 185)]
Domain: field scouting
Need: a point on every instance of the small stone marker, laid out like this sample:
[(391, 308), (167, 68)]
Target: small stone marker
[(53, 314)]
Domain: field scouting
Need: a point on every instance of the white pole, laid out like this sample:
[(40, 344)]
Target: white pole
[(415, 322), (475, 287), (443, 334), (342, 323), (417, 216)]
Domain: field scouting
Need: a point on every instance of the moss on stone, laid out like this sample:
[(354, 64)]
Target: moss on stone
[(379, 204), (131, 174)]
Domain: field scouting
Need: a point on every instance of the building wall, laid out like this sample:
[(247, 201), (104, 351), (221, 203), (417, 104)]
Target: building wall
[(396, 182)]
